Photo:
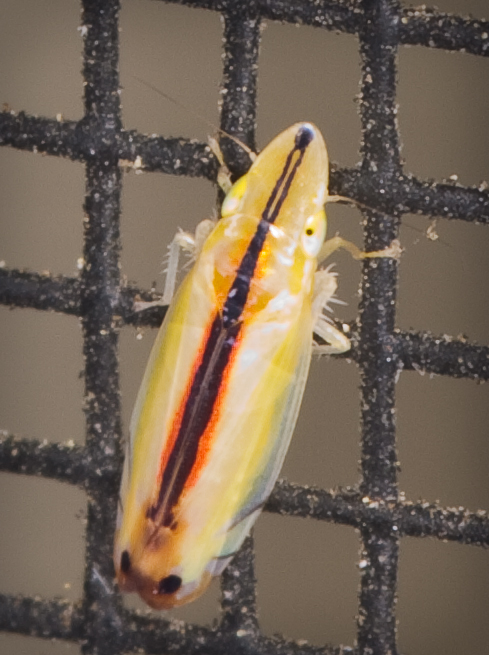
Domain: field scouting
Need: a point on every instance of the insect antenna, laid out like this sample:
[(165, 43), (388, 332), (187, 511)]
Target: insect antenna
[(182, 105)]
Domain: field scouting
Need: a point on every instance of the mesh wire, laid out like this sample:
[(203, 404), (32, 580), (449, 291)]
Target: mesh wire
[(98, 620)]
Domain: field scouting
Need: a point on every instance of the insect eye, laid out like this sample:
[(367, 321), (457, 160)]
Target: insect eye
[(314, 233), (233, 199), (125, 562), (170, 584)]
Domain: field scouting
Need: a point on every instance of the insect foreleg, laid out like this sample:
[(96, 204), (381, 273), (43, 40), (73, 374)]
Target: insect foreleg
[(223, 175), (393, 251)]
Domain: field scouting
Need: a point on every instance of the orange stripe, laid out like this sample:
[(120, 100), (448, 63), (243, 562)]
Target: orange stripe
[(178, 417), (208, 437)]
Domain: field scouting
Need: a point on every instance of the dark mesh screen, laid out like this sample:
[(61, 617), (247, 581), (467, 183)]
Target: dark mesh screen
[(104, 303)]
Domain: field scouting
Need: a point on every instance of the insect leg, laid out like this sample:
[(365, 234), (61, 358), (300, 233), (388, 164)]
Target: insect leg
[(192, 244), (223, 175), (393, 251), (337, 341), (324, 289)]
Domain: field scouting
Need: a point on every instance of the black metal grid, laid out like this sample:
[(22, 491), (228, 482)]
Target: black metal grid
[(98, 621)]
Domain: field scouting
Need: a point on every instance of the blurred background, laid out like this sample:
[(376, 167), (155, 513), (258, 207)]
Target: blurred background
[(307, 571)]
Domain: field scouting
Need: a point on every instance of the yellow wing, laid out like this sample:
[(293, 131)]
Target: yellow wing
[(225, 379)]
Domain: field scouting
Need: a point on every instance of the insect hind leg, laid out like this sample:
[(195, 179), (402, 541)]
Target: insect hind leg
[(324, 289), (190, 243)]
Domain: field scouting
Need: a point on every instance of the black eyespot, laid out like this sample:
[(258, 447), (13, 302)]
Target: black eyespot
[(309, 231), (170, 584), (304, 137), (125, 562)]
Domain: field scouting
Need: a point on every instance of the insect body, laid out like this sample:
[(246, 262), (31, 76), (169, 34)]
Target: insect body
[(223, 386)]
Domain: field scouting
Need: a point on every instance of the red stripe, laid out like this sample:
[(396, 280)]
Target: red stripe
[(208, 437)]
